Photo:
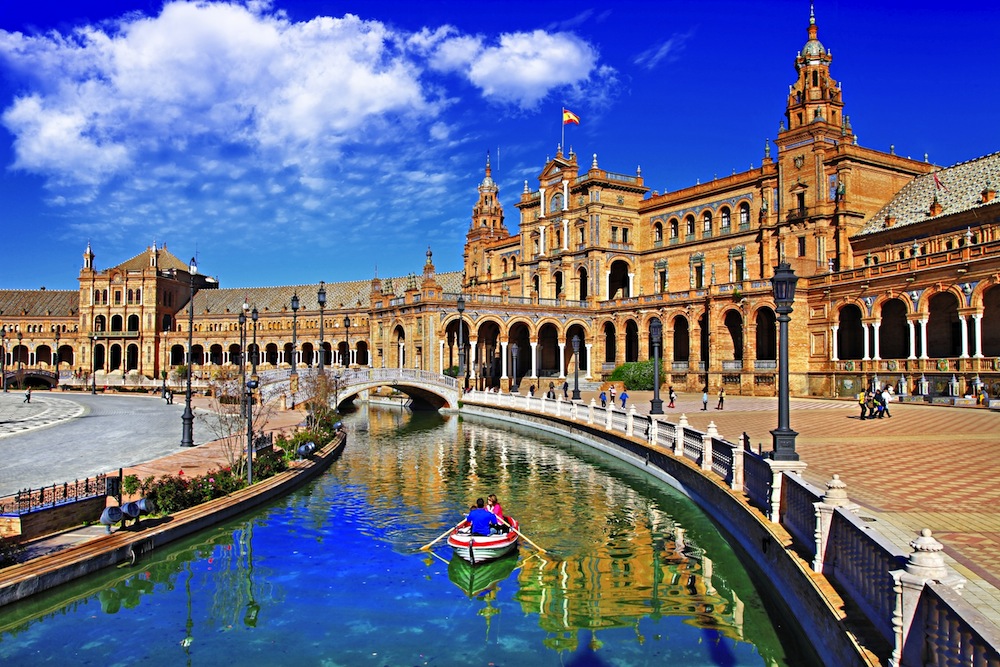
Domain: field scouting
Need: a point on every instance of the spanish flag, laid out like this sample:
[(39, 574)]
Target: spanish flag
[(570, 117)]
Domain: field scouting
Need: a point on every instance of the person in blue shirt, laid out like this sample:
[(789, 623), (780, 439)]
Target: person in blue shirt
[(481, 519)]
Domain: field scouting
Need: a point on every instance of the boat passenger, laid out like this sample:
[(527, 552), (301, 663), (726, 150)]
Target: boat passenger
[(493, 505), (481, 519)]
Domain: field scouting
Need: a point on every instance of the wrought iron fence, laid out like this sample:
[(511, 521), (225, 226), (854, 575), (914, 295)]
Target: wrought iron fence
[(32, 500)]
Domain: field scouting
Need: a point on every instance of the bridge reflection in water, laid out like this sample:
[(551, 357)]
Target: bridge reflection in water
[(633, 574)]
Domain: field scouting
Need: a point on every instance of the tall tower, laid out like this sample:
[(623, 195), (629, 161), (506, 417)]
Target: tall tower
[(486, 226), (815, 103)]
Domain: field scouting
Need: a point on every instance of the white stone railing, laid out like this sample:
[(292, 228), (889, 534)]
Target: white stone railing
[(910, 598)]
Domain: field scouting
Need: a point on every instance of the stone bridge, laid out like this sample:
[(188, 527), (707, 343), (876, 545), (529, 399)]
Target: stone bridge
[(429, 391)]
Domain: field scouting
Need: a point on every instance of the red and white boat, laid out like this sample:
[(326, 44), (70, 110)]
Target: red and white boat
[(482, 548)]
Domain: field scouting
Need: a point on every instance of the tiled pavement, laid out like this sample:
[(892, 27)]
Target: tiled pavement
[(925, 467)]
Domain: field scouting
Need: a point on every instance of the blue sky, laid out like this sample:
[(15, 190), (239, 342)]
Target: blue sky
[(289, 142)]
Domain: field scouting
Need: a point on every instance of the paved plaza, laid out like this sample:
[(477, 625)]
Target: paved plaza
[(924, 467)]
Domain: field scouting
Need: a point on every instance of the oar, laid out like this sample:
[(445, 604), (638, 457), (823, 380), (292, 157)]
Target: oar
[(526, 538), (444, 534)]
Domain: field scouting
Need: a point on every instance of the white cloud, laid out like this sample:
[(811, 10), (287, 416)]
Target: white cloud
[(668, 51), (235, 116)]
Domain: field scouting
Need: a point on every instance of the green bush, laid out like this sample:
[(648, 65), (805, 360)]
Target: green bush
[(636, 375)]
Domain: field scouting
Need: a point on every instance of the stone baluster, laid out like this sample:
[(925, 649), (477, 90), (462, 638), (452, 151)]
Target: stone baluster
[(590, 411), (630, 421), (682, 424), (706, 446), (925, 564), (835, 496)]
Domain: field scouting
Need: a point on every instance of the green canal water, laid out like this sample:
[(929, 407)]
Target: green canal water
[(632, 574)]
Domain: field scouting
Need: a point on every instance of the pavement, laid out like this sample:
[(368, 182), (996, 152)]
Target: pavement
[(926, 466)]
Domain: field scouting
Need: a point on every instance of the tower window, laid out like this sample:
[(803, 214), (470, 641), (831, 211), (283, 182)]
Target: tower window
[(801, 246)]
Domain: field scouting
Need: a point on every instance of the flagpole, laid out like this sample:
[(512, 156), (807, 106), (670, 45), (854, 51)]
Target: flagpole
[(562, 122)]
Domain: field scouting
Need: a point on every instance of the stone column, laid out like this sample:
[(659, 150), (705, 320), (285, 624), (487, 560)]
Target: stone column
[(503, 360), (562, 360), (833, 342), (590, 359), (965, 337), (865, 356), (913, 340), (924, 565), (441, 357), (534, 359), (923, 339), (876, 325), (835, 496), (977, 327)]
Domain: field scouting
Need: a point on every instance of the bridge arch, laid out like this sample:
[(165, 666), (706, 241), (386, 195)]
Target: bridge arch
[(428, 390)]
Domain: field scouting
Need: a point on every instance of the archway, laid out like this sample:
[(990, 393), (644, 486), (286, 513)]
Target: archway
[(850, 334), (548, 351), (488, 355), (681, 339), (991, 322), (893, 333), (618, 281), (766, 337), (610, 345), (582, 277), (521, 362), (631, 341), (132, 357), (944, 332), (731, 346)]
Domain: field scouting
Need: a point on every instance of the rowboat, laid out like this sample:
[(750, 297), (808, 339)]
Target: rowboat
[(477, 579), (482, 548)]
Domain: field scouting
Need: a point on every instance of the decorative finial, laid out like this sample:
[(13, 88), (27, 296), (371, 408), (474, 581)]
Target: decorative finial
[(812, 14), (767, 148), (429, 253), (526, 191), (593, 163)]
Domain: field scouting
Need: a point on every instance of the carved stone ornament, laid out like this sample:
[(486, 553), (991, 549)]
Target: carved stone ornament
[(799, 161)]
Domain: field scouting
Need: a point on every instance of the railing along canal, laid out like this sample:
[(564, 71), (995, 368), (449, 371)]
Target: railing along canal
[(912, 600)]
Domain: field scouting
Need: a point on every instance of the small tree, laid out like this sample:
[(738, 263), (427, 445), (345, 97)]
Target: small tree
[(227, 418), (636, 375)]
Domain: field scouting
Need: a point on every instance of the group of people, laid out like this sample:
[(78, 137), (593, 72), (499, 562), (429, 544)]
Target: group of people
[(604, 397), (875, 403), (486, 517)]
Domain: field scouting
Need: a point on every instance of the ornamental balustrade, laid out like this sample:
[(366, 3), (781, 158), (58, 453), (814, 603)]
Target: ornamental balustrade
[(32, 500), (922, 623)]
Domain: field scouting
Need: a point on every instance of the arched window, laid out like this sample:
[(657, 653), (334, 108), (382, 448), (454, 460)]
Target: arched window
[(674, 227), (744, 215), (133, 322), (706, 225), (689, 225), (726, 218), (658, 232)]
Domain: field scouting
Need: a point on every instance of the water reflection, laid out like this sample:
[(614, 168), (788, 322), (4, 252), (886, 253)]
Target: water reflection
[(630, 569)]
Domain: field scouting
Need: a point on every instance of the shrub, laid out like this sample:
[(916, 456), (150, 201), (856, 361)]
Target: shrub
[(636, 375)]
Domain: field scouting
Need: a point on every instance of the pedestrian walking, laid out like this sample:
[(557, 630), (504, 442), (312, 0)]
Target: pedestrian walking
[(170, 397), (863, 402), (704, 399), (722, 399), (886, 397), (27, 395), (624, 397), (604, 400), (566, 389), (673, 397), (611, 393)]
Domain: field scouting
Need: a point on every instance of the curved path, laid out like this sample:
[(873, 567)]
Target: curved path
[(61, 437)]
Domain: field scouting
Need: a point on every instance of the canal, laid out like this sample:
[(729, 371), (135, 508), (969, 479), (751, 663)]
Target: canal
[(632, 573)]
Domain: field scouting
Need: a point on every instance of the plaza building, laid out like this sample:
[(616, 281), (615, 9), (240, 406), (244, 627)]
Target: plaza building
[(898, 263)]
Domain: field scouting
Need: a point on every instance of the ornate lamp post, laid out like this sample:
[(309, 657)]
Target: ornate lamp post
[(513, 353), (783, 287), (295, 343), (254, 352), (93, 364), (576, 364), (55, 357), (3, 357), (461, 343), (251, 385), (20, 377), (347, 341), (241, 319), (656, 335), (187, 418), (321, 300)]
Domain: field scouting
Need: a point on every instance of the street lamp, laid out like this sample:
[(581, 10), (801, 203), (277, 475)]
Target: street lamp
[(576, 370), (461, 344), (783, 287), (241, 319), (251, 385), (93, 364), (20, 352), (513, 352), (321, 300), (295, 312), (3, 357), (253, 348), (187, 418), (55, 358), (656, 335), (347, 341)]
